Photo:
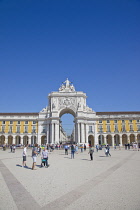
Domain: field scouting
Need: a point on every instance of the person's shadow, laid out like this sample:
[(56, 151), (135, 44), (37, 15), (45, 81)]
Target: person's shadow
[(26, 167)]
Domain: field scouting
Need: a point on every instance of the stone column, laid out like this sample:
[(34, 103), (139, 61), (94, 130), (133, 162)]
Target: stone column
[(82, 133), (57, 133), (78, 132), (21, 139), (29, 139), (121, 140), (87, 133), (105, 140), (6, 139), (52, 133), (47, 135), (113, 140)]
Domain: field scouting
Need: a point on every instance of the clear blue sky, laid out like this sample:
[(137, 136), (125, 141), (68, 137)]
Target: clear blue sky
[(95, 43)]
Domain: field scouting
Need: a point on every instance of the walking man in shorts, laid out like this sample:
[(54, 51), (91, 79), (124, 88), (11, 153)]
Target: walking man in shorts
[(34, 155), (24, 156)]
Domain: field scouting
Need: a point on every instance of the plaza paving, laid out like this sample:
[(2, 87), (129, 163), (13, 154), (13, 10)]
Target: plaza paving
[(72, 184)]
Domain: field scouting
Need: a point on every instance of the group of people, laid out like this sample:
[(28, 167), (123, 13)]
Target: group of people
[(35, 152)]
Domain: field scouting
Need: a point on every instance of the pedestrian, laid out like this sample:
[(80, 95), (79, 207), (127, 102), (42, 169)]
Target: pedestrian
[(34, 155), (97, 147), (11, 147), (107, 150), (91, 150), (66, 149), (45, 157), (85, 147), (72, 151), (76, 149), (14, 148), (24, 154), (82, 148)]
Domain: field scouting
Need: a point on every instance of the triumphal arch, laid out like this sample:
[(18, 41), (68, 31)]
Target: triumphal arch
[(67, 100)]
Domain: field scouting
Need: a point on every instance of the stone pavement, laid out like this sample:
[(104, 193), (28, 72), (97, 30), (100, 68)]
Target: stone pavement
[(106, 183)]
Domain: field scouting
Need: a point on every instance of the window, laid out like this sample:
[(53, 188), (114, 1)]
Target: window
[(18, 122), (100, 128), (123, 121), (3, 129), (131, 127), (116, 128), (138, 127), (108, 121), (108, 128), (11, 122), (115, 121), (44, 129), (90, 128), (18, 129), (26, 122), (123, 128), (130, 121), (3, 122), (100, 121), (34, 129), (10, 129), (138, 121), (34, 122), (26, 129)]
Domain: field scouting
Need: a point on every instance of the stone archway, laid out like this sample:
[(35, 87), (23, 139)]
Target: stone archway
[(124, 139), (91, 140), (18, 140), (138, 140), (25, 140), (132, 138), (67, 100), (116, 140), (109, 140), (10, 140), (43, 140), (2, 140), (101, 139), (33, 140)]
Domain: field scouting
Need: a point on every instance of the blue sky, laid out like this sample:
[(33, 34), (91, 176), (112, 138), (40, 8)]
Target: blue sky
[(94, 43)]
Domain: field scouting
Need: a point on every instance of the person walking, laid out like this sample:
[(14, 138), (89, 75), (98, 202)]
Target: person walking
[(91, 150), (24, 154), (97, 147), (11, 147), (108, 150), (72, 151), (45, 157), (34, 155), (66, 149)]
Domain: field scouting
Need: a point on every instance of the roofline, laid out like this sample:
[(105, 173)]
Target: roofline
[(26, 113), (115, 113)]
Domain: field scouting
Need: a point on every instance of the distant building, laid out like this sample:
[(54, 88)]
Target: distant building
[(91, 127)]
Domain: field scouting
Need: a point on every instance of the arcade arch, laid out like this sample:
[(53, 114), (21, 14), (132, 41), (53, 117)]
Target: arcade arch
[(2, 140), (101, 139), (91, 140), (109, 140), (10, 140), (33, 140), (117, 139), (18, 140), (43, 140), (25, 140), (124, 139), (132, 138)]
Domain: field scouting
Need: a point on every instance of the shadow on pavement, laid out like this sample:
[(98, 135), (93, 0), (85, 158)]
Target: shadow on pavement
[(86, 159)]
